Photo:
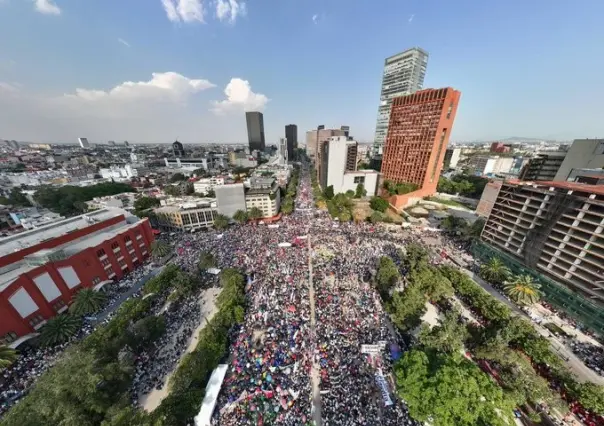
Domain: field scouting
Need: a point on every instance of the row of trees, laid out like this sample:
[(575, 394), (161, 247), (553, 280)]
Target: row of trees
[(459, 229), (522, 289), (89, 384), (399, 188), (506, 340), (70, 200), (464, 184), (15, 198)]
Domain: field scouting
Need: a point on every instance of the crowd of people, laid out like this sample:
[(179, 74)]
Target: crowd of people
[(34, 360), (591, 355)]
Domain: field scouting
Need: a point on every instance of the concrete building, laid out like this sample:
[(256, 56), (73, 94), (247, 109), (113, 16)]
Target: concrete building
[(178, 149), (542, 167), (230, 198), (123, 201), (264, 194), (84, 142), (42, 269), (255, 130), (291, 134), (452, 157), (403, 75), (314, 137), (500, 147), (202, 186), (187, 216), (554, 228), (583, 154), (588, 176), (338, 167), (283, 151), (420, 125), (488, 197), (187, 164), (483, 165), (346, 130)]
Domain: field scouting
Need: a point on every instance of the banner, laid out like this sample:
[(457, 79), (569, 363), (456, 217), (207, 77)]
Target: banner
[(383, 386), (372, 349)]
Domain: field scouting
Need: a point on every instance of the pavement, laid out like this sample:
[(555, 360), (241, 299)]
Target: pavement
[(574, 363)]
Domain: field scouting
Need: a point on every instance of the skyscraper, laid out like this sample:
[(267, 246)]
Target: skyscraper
[(255, 130), (84, 142), (403, 74), (178, 149), (420, 125), (291, 134)]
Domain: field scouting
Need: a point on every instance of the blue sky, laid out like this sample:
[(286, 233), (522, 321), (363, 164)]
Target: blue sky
[(525, 68)]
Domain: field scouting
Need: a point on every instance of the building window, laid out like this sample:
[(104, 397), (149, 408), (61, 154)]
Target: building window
[(359, 179), (58, 306), (115, 245), (449, 110), (105, 262), (9, 337), (96, 280), (35, 320), (127, 238), (101, 253)]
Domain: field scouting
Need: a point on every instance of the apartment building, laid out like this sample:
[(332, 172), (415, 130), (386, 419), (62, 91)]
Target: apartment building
[(554, 228), (186, 216), (264, 194)]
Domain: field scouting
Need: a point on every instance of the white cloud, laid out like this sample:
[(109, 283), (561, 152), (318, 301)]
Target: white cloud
[(239, 96), (8, 87), (315, 18), (411, 18), (48, 7), (184, 10), (230, 10), (169, 86), (124, 42)]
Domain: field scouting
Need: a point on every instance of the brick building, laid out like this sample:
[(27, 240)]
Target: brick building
[(42, 269), (418, 134)]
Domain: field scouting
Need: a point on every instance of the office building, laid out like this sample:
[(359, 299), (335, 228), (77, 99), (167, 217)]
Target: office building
[(452, 156), (126, 144), (264, 194), (203, 185), (420, 125), (583, 154), (346, 130), (484, 165), (489, 197), (42, 269), (588, 176), (230, 198), (403, 75), (186, 214), (283, 151), (554, 228), (84, 142), (500, 147), (178, 149), (255, 130), (291, 134), (315, 137), (338, 167), (542, 167)]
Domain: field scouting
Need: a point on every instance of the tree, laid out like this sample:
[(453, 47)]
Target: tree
[(287, 206), (345, 216), (350, 193), (221, 222), (415, 256), (360, 191), (144, 203), (378, 204), (59, 329), (255, 213), (87, 301), (173, 190), (387, 275), (406, 308), (7, 356), (495, 271), (145, 331), (177, 177), (449, 390), (448, 336), (240, 216), (211, 193), (159, 249), (522, 290), (591, 396), (15, 198), (328, 192), (376, 217), (207, 260)]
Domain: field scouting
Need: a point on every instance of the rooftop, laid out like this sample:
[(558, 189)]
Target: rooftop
[(571, 186), (23, 240)]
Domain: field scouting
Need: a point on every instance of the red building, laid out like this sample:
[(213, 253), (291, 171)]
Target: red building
[(500, 147), (42, 269), (418, 134)]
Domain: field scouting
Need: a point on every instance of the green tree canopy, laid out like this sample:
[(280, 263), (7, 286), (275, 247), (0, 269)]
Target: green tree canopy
[(221, 222), (59, 329), (387, 275), (523, 290), (328, 192), (87, 301), (7, 356), (255, 213), (378, 204), (447, 337), (159, 249), (495, 271), (15, 198), (415, 256), (448, 390), (240, 216), (360, 191), (177, 177), (207, 260)]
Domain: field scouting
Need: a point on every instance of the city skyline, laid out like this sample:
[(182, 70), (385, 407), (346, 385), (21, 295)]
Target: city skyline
[(146, 85)]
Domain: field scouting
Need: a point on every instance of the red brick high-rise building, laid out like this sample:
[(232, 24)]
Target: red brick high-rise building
[(418, 134)]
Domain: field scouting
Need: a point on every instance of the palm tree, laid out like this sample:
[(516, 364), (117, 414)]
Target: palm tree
[(221, 221), (495, 271), (207, 260), (522, 290), (255, 213), (287, 208), (87, 301), (59, 329), (7, 356), (159, 249), (240, 216)]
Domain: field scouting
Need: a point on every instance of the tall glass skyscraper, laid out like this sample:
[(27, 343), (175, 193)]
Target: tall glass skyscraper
[(403, 75)]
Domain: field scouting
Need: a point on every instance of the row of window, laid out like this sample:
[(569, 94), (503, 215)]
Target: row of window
[(116, 245)]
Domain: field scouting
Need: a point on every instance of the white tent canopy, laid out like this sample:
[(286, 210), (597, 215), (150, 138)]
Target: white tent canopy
[(204, 417), (213, 271), (285, 244)]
